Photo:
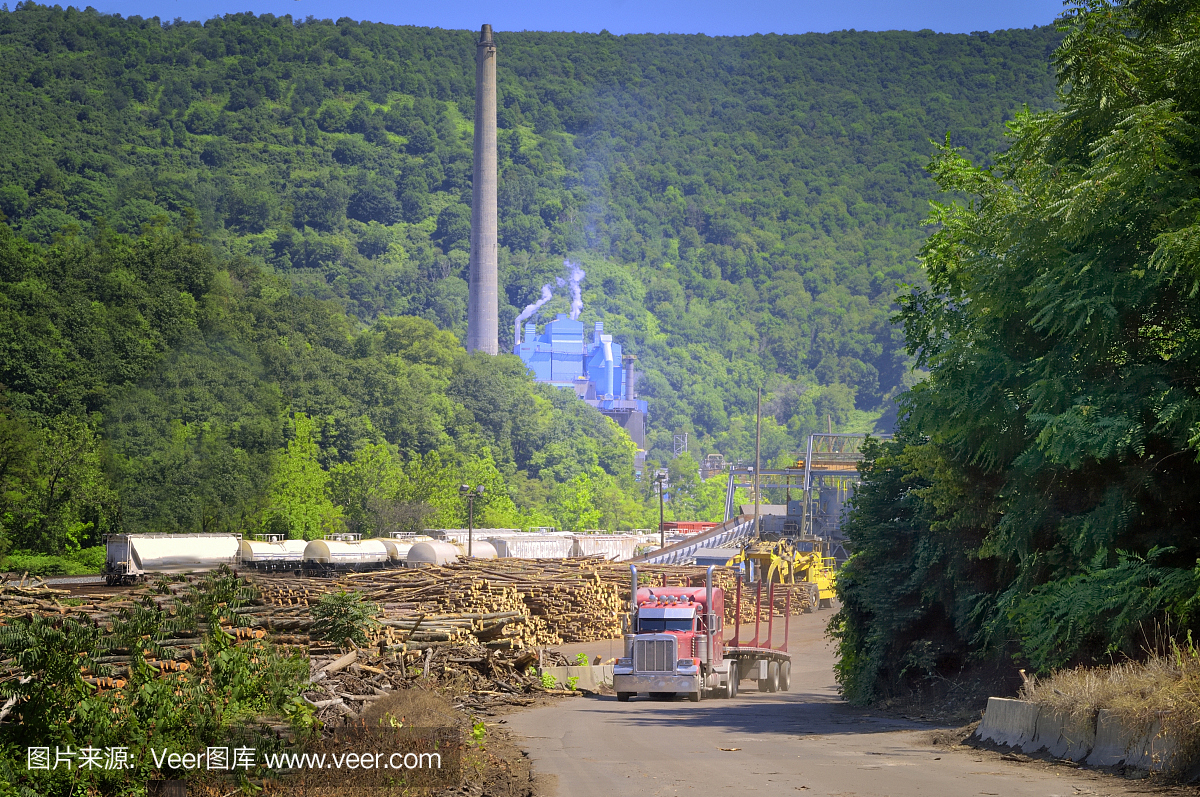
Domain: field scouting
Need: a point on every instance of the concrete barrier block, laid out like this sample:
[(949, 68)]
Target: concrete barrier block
[(1145, 747), (1112, 741), (1010, 722), (1062, 735), (591, 678), (1104, 742)]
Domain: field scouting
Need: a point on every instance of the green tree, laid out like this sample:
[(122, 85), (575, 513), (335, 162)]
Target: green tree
[(574, 503), (1056, 434), (299, 500), (56, 496)]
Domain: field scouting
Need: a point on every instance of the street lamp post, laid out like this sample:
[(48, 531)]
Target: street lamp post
[(470, 493), (662, 533)]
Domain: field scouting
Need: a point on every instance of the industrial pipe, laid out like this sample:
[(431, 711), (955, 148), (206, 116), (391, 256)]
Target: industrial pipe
[(608, 363)]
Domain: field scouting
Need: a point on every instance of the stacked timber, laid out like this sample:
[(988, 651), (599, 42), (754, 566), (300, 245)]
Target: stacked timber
[(170, 655), (556, 600), (502, 603), (364, 684)]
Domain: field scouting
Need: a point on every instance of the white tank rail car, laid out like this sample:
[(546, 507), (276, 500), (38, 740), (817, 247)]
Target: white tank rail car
[(324, 557), (130, 557), (272, 555), (480, 549), (398, 547), (440, 552)]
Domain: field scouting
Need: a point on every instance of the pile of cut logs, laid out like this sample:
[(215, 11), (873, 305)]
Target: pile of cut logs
[(345, 687), (176, 652), (500, 603), (443, 650)]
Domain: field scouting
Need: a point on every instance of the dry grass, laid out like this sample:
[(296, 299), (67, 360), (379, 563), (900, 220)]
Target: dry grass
[(416, 708), (1163, 688), (1131, 689)]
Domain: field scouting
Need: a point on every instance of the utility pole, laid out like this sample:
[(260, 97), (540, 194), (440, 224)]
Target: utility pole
[(662, 533), (757, 460), (470, 493)]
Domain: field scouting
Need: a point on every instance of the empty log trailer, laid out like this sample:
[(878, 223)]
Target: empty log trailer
[(677, 646)]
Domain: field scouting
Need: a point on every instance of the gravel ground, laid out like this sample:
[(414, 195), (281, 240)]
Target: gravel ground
[(54, 580)]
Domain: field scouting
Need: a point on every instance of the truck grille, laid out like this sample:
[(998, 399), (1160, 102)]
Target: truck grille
[(654, 655)]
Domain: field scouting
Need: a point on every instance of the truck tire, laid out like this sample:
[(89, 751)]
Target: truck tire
[(622, 697), (694, 697), (731, 684), (764, 684), (785, 676), (773, 676)]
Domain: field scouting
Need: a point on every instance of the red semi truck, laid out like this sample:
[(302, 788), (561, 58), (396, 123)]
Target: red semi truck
[(677, 645)]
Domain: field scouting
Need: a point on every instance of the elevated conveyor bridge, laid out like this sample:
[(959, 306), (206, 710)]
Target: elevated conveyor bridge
[(732, 533)]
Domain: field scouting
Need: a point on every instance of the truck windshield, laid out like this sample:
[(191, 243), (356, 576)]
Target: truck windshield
[(656, 625)]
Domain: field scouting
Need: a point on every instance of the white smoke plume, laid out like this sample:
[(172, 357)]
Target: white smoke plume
[(531, 309), (577, 275)]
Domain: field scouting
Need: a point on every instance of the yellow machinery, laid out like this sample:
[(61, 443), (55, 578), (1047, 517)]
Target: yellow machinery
[(780, 563), (816, 568)]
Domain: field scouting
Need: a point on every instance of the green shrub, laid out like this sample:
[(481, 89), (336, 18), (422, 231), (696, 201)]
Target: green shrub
[(344, 619), (84, 562)]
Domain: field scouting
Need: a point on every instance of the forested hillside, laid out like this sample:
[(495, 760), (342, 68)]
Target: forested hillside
[(1041, 500), (156, 389), (744, 207), (234, 258)]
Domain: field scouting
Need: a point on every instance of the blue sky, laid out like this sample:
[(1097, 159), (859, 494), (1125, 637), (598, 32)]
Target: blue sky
[(713, 17)]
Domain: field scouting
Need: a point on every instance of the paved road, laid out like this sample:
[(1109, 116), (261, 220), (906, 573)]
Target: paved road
[(802, 742)]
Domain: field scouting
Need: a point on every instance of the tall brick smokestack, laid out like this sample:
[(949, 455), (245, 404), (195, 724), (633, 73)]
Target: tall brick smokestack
[(483, 322)]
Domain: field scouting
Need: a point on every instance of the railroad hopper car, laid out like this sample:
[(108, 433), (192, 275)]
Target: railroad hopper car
[(130, 557), (325, 557), (272, 555), (439, 552)]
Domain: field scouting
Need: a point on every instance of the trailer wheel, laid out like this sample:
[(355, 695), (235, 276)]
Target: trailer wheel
[(773, 676), (785, 676), (764, 684), (622, 697)]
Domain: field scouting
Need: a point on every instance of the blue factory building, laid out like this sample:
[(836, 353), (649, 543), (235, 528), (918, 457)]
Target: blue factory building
[(594, 369)]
